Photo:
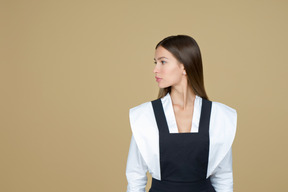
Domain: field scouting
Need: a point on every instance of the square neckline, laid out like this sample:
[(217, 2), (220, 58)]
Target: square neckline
[(174, 117)]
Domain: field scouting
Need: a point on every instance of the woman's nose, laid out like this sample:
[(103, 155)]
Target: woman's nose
[(155, 69)]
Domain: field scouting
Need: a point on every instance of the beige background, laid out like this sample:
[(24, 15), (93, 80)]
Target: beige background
[(70, 71)]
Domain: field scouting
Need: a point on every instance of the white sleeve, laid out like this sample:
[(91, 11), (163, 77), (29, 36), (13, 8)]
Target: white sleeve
[(136, 169), (222, 177)]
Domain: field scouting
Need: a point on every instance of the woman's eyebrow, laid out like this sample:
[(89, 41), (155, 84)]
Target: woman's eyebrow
[(161, 58)]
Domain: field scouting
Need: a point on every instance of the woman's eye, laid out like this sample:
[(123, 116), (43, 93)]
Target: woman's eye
[(162, 62)]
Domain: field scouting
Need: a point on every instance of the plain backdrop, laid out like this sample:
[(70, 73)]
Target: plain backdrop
[(71, 70)]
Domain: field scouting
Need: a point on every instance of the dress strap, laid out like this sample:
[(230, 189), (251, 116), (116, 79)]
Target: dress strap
[(162, 123), (205, 116), (160, 116)]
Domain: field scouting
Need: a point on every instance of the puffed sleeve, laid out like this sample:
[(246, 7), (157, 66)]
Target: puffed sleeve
[(136, 169), (222, 177)]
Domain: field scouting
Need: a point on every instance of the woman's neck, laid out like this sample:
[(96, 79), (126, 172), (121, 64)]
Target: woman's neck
[(182, 96)]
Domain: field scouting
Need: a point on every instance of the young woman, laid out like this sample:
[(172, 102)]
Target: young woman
[(182, 138)]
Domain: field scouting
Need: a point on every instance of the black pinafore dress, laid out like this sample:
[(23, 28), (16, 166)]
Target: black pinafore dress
[(183, 156)]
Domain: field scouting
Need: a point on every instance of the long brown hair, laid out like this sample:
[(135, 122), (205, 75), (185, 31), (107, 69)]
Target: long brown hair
[(186, 50)]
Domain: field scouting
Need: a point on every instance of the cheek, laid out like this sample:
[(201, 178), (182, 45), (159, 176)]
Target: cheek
[(174, 73)]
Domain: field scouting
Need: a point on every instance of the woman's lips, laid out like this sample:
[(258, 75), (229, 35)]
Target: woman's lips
[(158, 79)]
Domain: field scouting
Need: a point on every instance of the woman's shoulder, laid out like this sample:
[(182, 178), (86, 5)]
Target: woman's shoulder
[(141, 107), (223, 107), (223, 114), (142, 112)]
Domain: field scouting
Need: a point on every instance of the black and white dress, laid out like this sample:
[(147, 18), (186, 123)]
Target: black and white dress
[(199, 161)]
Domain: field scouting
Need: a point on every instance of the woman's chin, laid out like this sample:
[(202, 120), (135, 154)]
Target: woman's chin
[(162, 86)]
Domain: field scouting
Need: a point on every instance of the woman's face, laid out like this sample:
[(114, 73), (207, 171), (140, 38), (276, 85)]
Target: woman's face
[(168, 71)]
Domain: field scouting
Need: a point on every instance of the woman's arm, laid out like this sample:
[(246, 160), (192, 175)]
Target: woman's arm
[(136, 169), (222, 177)]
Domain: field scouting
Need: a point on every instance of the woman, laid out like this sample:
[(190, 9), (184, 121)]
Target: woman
[(183, 139)]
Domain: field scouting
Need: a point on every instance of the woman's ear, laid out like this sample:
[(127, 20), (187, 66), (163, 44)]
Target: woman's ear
[(184, 71)]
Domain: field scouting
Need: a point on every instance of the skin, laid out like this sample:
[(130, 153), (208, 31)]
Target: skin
[(172, 73)]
